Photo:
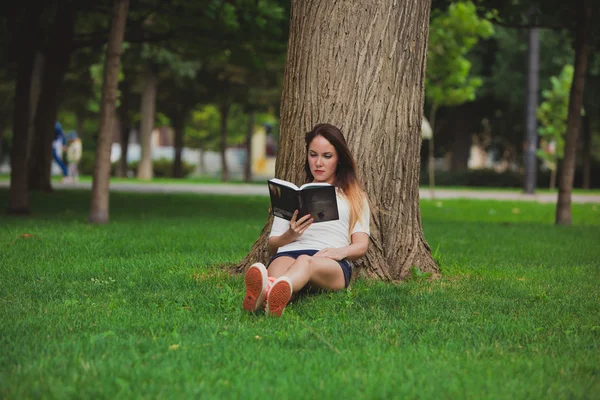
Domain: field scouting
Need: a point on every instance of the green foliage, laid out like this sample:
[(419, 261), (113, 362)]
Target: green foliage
[(552, 114), (451, 36), (141, 308), (203, 128), (162, 167)]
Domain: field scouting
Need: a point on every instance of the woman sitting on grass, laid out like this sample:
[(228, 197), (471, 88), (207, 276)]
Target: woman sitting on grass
[(317, 255)]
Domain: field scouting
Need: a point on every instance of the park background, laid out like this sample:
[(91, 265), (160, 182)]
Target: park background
[(146, 306)]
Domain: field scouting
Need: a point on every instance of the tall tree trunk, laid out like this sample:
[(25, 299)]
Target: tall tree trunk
[(461, 143), (18, 196), (587, 151), (79, 122), (100, 185), (36, 88), (248, 144), (224, 111), (327, 63), (567, 171), (531, 104), (201, 168), (56, 62), (2, 132), (552, 179), (147, 124), (125, 127), (178, 126)]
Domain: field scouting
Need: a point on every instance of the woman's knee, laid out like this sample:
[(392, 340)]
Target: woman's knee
[(304, 261), (304, 258)]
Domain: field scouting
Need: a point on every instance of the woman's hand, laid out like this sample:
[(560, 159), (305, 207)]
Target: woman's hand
[(336, 254), (297, 228)]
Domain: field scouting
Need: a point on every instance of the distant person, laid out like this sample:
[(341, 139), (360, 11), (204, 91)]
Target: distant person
[(57, 149), (314, 256), (73, 156)]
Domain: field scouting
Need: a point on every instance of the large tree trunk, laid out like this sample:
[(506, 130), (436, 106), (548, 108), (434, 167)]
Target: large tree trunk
[(531, 103), (100, 186), (18, 196), (248, 161), (224, 111), (361, 66), (56, 62), (586, 164), (146, 125), (567, 171)]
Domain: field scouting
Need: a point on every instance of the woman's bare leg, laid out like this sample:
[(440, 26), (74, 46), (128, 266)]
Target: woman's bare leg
[(279, 266), (321, 272)]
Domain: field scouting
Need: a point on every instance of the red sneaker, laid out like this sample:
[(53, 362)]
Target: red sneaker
[(280, 294), (256, 287)]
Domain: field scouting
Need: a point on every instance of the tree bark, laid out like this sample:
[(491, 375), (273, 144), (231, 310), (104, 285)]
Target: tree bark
[(361, 66), (224, 111), (18, 196), (531, 104), (147, 124), (56, 62), (100, 186), (567, 172), (249, 134), (587, 152)]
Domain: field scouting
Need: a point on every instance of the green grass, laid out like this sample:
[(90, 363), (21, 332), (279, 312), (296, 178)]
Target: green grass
[(140, 307)]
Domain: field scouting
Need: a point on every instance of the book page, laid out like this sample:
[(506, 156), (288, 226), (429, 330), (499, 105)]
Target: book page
[(314, 184), (284, 183)]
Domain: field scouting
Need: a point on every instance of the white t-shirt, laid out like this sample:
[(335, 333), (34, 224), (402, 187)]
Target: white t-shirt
[(332, 234)]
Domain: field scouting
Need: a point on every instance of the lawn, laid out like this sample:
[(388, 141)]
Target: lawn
[(140, 307)]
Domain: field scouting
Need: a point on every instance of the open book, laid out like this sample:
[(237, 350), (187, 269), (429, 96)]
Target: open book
[(316, 199)]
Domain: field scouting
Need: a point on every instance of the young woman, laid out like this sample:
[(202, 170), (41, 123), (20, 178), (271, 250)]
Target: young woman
[(318, 255)]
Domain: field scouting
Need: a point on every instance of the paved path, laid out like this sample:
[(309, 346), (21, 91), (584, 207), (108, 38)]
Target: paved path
[(261, 190)]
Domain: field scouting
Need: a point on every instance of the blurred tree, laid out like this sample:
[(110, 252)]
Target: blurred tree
[(531, 139), (100, 194), (56, 55), (335, 49), (62, 27), (591, 123), (552, 114), (448, 81), (24, 24), (576, 17)]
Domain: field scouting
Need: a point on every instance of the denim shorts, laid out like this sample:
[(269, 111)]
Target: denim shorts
[(344, 264)]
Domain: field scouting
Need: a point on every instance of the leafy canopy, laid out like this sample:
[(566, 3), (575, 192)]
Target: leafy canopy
[(452, 34), (552, 114)]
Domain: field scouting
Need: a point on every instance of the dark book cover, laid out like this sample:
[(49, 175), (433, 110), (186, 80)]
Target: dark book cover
[(317, 199)]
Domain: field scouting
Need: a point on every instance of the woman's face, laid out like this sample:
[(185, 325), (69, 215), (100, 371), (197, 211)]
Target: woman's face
[(322, 160)]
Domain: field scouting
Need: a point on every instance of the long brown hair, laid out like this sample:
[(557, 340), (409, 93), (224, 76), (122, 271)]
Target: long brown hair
[(346, 177)]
